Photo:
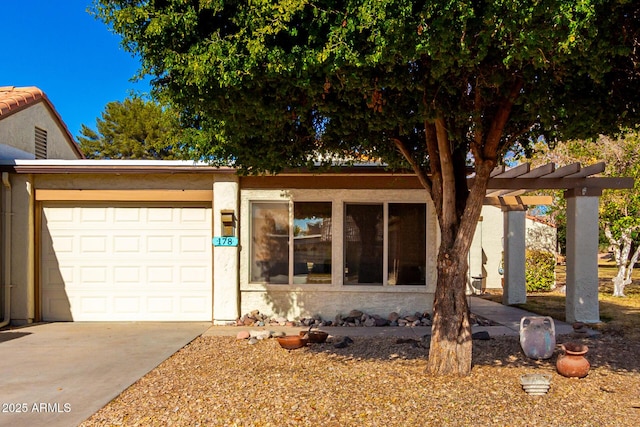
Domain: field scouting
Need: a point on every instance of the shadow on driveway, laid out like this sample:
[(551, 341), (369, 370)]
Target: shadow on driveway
[(59, 374)]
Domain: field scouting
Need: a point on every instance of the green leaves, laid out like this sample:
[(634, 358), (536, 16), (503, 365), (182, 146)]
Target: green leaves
[(133, 129), (270, 73)]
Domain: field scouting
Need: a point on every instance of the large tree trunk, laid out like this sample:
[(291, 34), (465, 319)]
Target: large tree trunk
[(450, 350), (458, 206)]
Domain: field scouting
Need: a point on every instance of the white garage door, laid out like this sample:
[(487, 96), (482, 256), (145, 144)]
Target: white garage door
[(126, 262)]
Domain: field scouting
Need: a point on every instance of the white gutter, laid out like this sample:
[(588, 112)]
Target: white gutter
[(7, 251)]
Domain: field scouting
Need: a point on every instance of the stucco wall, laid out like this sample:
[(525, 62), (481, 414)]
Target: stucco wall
[(300, 303), (113, 181), (17, 130), (21, 249)]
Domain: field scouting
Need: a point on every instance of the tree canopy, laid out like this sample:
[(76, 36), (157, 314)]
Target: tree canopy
[(133, 129), (285, 80), (436, 86)]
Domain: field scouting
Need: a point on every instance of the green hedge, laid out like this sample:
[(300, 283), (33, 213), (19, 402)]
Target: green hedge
[(540, 270)]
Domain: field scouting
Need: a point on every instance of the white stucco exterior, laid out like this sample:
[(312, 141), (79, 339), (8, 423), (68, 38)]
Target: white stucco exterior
[(17, 134), (226, 295)]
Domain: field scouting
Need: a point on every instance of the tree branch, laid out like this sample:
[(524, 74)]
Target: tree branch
[(449, 218), (425, 181), (500, 120)]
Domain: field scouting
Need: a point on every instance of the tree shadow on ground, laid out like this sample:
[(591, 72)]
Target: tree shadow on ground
[(607, 351)]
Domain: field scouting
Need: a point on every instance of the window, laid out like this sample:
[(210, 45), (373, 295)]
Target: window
[(363, 230), (312, 242), (271, 236), (405, 244), (382, 243), (40, 143), (270, 242)]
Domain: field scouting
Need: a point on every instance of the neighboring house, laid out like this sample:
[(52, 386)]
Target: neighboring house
[(31, 128)]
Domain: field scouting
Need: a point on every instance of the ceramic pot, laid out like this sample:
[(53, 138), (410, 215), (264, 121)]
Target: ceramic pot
[(572, 362), (537, 337), (291, 342), (315, 336)]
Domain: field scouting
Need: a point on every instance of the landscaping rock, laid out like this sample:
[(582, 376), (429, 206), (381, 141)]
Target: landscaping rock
[(480, 335), (243, 335)]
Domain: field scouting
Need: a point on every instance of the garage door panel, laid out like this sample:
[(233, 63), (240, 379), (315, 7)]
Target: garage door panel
[(126, 244), (92, 216), (126, 305), (160, 244), (140, 263), (92, 244), (126, 215)]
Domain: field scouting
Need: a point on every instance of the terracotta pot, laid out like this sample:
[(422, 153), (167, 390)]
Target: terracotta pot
[(291, 342), (315, 336), (572, 362)]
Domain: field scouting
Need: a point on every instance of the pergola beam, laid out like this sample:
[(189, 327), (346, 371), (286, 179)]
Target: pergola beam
[(505, 201), (559, 183), (588, 171)]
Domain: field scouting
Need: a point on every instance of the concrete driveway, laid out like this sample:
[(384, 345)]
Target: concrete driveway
[(59, 374)]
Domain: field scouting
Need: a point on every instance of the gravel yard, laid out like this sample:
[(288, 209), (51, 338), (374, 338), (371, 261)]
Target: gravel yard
[(221, 381)]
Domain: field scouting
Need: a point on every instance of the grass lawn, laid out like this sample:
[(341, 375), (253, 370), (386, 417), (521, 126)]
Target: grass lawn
[(618, 315)]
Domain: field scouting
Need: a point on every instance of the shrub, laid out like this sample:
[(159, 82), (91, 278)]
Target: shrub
[(539, 270)]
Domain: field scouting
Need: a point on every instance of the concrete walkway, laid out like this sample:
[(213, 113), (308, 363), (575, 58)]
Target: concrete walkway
[(59, 374)]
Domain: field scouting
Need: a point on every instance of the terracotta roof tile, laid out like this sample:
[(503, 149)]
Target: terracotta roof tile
[(14, 98)]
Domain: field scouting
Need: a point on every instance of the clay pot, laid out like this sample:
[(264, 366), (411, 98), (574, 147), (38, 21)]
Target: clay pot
[(315, 336), (537, 337), (291, 342), (572, 362)]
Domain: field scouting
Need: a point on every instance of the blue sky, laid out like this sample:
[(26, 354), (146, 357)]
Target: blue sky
[(74, 58)]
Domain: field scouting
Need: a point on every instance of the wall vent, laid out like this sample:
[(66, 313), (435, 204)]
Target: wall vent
[(41, 143)]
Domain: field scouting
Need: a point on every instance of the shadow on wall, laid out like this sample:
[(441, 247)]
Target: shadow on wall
[(54, 300), (301, 303)]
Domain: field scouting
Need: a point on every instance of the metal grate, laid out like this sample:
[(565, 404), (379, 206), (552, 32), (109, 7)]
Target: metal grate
[(41, 143)]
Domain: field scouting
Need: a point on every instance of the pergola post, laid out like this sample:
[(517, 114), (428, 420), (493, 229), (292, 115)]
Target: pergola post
[(582, 255), (515, 289)]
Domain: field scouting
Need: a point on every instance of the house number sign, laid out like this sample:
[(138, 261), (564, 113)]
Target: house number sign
[(225, 241)]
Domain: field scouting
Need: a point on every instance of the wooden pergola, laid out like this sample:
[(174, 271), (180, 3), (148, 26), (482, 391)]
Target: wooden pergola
[(582, 188)]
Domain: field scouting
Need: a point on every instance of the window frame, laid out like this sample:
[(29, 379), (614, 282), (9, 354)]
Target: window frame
[(339, 198)]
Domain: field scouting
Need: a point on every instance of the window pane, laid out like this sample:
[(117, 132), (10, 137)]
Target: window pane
[(363, 230), (407, 243), (312, 242), (270, 242)]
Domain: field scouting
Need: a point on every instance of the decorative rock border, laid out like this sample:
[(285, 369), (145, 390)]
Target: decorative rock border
[(355, 318)]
